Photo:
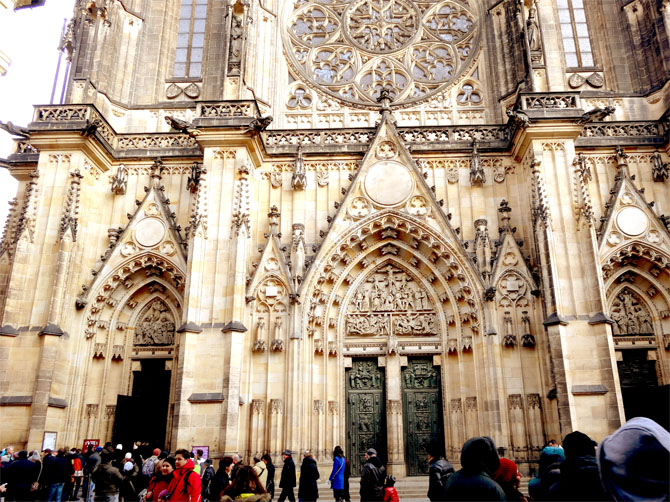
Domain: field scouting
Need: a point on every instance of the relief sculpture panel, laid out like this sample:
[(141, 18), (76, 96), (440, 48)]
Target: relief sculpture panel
[(391, 302), (156, 326), (630, 315)]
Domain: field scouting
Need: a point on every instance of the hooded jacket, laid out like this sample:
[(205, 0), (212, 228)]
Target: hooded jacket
[(438, 473), (309, 473), (579, 479), (634, 462), (479, 459), (185, 486), (548, 472)]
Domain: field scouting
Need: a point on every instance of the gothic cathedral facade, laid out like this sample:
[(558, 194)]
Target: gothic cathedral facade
[(267, 224)]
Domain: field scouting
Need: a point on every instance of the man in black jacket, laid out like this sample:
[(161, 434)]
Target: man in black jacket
[(372, 477), (287, 480), (438, 472), (308, 490), (20, 475)]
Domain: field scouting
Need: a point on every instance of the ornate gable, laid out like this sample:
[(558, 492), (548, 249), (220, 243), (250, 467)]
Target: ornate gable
[(151, 238), (389, 181), (629, 217)]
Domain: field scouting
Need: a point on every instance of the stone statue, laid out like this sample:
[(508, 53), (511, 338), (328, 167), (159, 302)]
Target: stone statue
[(533, 30), (298, 253), (483, 248), (193, 181), (477, 175), (259, 342), (299, 178)]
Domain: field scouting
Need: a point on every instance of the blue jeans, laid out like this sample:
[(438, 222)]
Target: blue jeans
[(87, 491), (55, 492)]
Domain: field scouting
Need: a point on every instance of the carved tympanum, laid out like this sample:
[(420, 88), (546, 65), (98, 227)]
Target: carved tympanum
[(156, 325), (630, 315), (389, 301)]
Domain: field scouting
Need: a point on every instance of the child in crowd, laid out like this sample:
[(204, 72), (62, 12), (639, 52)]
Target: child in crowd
[(390, 493)]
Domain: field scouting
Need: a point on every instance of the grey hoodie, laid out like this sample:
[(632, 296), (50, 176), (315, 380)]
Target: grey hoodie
[(634, 462)]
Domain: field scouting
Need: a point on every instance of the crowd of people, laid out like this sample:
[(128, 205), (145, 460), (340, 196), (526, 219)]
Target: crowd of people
[(631, 464)]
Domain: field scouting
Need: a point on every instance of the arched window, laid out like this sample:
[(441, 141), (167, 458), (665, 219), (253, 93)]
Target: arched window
[(575, 33), (190, 39)]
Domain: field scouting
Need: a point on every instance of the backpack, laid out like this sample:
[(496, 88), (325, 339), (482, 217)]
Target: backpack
[(148, 467)]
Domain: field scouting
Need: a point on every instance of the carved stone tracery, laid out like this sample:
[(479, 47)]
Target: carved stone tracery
[(353, 49)]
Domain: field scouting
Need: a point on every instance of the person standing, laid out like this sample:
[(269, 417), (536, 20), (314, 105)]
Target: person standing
[(372, 477), (78, 462), (337, 474), (19, 476), (207, 477), (390, 493), (221, 478), (160, 482), (438, 472), (91, 465), (287, 479), (107, 479), (308, 491), (186, 485), (270, 483), (474, 481), (347, 474), (58, 471), (261, 471), (237, 464)]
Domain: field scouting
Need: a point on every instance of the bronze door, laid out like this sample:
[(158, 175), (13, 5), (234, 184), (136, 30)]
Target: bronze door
[(422, 412), (366, 424)]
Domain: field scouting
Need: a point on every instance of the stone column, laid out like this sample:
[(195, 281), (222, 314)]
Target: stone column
[(394, 419), (257, 427), (581, 347), (234, 330)]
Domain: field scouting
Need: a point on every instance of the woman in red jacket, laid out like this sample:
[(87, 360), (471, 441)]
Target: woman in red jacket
[(185, 487), (160, 482)]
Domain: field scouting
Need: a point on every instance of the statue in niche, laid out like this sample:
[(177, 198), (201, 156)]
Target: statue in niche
[(298, 253), (483, 248), (533, 30), (156, 326), (477, 175), (299, 178), (364, 376), (630, 315), (236, 42)]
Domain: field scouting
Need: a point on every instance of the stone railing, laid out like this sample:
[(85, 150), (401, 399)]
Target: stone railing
[(357, 140), (549, 101), (87, 117), (621, 133), (227, 110)]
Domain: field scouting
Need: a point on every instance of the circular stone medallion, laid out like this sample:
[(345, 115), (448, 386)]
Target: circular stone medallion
[(149, 232), (388, 183), (632, 220)]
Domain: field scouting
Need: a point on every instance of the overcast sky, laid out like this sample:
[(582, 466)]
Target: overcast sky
[(30, 38)]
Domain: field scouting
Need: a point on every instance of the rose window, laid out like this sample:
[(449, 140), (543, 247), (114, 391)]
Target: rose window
[(352, 49)]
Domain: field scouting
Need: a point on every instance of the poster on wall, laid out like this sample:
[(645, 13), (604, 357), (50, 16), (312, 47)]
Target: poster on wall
[(90, 442), (49, 440), (205, 451)]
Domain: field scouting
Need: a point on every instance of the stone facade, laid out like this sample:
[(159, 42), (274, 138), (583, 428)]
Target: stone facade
[(437, 232)]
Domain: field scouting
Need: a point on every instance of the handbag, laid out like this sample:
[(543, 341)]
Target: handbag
[(36, 485)]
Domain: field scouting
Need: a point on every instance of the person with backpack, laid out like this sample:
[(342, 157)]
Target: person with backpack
[(261, 471), (438, 472), (207, 475), (149, 465), (337, 474), (107, 479), (373, 476), (186, 485)]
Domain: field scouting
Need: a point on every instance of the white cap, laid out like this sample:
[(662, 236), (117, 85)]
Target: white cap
[(119, 446), (129, 455)]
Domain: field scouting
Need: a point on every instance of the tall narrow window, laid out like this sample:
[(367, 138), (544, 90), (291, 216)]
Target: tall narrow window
[(191, 39), (575, 32)]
